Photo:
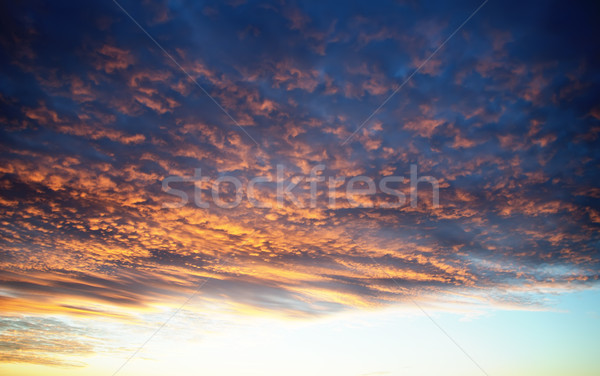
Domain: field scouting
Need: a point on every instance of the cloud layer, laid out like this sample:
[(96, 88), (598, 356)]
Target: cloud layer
[(95, 116)]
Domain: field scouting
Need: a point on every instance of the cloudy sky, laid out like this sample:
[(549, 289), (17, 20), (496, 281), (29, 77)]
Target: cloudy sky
[(104, 271)]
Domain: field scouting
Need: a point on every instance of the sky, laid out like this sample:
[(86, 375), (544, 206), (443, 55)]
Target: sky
[(326, 188)]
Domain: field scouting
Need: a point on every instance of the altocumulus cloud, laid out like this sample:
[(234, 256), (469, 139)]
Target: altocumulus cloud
[(95, 116)]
